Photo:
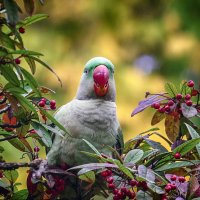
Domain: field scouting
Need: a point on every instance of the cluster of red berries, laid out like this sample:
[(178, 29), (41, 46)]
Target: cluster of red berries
[(123, 192), (43, 102), (36, 149), (170, 105)]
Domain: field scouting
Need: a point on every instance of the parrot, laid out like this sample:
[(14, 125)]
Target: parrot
[(91, 115)]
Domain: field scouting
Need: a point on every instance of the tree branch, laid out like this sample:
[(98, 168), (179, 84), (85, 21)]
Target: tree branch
[(8, 138)]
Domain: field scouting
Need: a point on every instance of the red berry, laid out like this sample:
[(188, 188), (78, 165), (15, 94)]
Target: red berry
[(104, 173), (190, 83), (1, 174), (110, 180), (187, 97), (53, 103), (131, 195), (32, 131), (179, 96), (109, 172), (120, 194), (115, 191), (181, 179), (168, 188), (21, 30), (53, 107), (116, 197), (194, 92), (144, 185), (167, 108), (177, 155), (41, 103), (17, 61), (111, 186), (170, 103), (189, 103), (36, 149), (173, 177), (124, 190), (133, 182), (43, 99), (173, 186), (161, 109), (156, 105)]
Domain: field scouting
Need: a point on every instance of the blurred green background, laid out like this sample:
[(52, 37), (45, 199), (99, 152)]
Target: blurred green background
[(149, 42)]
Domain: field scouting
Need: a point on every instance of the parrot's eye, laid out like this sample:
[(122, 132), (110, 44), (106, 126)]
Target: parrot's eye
[(86, 71)]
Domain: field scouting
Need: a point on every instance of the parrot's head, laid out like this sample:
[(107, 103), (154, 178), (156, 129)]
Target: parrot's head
[(97, 81)]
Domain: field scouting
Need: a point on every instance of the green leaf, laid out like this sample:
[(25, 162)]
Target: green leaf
[(9, 74), (20, 195), (156, 145), (25, 103), (11, 175), (133, 156), (17, 144), (157, 117), (26, 52), (29, 6), (31, 64), (142, 195), (194, 135), (43, 133), (48, 67), (88, 177), (146, 173), (1, 149), (53, 120), (53, 130), (177, 165), (186, 146), (171, 89), (12, 11), (123, 169), (155, 188), (6, 41), (92, 147), (31, 81), (33, 19), (11, 88), (150, 153)]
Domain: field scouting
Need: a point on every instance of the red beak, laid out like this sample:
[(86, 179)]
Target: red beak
[(101, 76)]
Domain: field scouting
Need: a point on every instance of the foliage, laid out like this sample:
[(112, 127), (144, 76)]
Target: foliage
[(145, 170)]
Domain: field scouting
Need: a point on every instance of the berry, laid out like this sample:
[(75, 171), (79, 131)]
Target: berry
[(53, 103), (173, 177), (189, 103), (177, 155), (133, 182), (124, 190), (41, 103), (190, 83), (181, 179), (167, 108), (115, 191), (21, 30), (109, 172), (36, 149), (32, 131), (53, 107), (111, 186), (173, 186), (179, 96), (156, 105), (170, 103), (194, 92), (116, 197), (17, 61), (187, 97), (168, 188), (110, 180), (1, 174), (43, 99), (161, 109), (104, 173), (131, 195)]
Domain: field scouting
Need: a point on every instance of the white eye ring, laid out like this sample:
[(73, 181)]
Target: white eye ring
[(86, 71)]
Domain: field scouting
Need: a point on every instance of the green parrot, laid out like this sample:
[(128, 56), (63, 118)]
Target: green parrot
[(91, 115)]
